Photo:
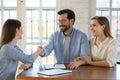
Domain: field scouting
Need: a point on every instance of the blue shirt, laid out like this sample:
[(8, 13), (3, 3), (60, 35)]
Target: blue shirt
[(78, 46), (9, 57)]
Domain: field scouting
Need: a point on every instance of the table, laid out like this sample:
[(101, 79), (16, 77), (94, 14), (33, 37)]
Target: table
[(83, 73)]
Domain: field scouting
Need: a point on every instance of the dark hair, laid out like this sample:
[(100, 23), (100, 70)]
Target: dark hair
[(104, 21), (70, 14), (9, 31)]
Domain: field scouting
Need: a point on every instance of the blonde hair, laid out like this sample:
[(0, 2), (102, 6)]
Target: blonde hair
[(104, 21)]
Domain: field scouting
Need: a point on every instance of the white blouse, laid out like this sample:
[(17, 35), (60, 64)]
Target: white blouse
[(107, 50)]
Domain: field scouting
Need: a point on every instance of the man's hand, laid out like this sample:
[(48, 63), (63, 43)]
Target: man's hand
[(41, 50), (75, 64)]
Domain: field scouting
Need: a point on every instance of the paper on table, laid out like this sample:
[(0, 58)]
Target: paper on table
[(53, 72), (54, 66)]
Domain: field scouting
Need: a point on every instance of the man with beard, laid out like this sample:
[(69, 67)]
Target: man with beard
[(68, 43)]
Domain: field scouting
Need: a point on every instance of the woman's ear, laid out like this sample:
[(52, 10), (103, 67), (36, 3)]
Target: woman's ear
[(103, 26), (17, 31)]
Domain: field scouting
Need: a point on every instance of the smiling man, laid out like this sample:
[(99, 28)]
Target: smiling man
[(68, 43)]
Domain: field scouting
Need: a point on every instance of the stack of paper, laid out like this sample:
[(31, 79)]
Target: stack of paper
[(53, 72)]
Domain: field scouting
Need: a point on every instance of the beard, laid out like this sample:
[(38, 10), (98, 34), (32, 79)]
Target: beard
[(64, 28)]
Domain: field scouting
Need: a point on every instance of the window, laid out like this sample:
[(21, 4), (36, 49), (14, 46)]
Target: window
[(48, 23), (0, 3), (49, 3), (111, 9), (102, 3), (32, 19), (115, 3), (32, 31), (7, 11), (41, 23), (10, 3), (116, 24), (48, 27), (0, 21), (102, 13), (32, 3)]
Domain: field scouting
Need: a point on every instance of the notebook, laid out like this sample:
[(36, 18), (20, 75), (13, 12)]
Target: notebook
[(53, 72), (54, 66)]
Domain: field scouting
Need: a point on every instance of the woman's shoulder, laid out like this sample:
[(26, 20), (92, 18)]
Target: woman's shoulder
[(6, 46), (92, 40), (112, 40)]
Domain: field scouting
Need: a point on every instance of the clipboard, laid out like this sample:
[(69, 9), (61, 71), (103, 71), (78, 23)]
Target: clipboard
[(54, 72)]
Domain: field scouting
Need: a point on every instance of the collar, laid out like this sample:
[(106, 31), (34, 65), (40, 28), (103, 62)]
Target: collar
[(70, 34), (103, 42)]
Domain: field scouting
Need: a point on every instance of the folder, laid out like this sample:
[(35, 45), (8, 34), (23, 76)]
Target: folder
[(53, 72)]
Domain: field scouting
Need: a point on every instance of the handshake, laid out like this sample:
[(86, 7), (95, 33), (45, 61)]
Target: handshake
[(40, 50)]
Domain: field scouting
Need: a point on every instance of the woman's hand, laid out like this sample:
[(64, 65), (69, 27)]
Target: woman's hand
[(25, 66)]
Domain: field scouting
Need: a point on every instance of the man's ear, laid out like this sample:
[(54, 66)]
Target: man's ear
[(72, 21), (17, 30)]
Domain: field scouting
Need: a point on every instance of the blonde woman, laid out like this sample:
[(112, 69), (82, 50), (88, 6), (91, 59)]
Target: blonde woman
[(103, 45)]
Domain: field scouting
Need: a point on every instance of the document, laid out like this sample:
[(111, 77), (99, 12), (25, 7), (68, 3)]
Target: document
[(53, 72), (54, 66)]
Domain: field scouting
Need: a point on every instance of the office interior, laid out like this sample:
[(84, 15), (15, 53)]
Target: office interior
[(39, 19)]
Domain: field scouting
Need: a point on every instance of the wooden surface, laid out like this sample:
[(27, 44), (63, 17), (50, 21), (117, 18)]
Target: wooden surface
[(83, 73)]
